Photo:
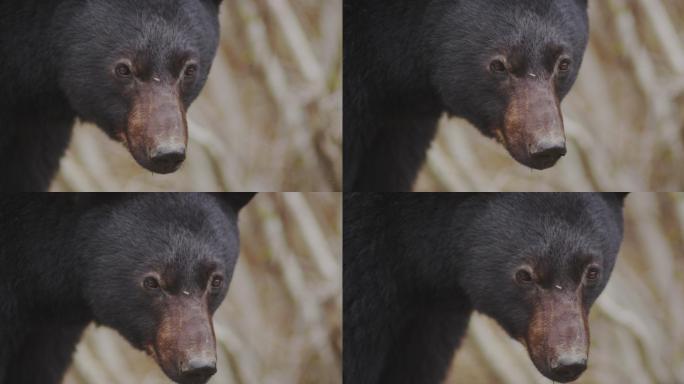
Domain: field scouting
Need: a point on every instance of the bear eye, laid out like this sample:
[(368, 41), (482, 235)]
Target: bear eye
[(151, 283), (564, 65), (190, 70), (593, 273), (216, 282), (523, 276), (123, 70), (497, 66)]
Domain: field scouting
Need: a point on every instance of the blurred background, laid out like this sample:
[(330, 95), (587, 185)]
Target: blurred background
[(268, 119), (637, 324), (281, 320), (624, 119)]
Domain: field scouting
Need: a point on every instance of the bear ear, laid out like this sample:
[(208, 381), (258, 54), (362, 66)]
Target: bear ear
[(620, 196), (236, 200), (217, 3)]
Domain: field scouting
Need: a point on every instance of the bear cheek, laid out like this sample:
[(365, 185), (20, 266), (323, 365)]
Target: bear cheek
[(532, 128), (557, 338), (157, 133), (185, 346)]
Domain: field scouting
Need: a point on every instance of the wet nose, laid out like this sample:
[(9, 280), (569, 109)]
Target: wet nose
[(568, 368), (198, 368), (549, 150), (167, 157)]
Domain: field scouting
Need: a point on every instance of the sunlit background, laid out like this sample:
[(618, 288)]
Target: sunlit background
[(268, 119), (624, 119), (281, 320), (637, 324)]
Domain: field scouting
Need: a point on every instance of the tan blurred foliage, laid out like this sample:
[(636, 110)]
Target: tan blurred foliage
[(624, 119), (281, 320), (637, 324), (268, 119)]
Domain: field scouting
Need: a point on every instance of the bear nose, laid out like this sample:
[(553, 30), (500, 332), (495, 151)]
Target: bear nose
[(568, 368), (167, 157), (198, 368), (547, 150)]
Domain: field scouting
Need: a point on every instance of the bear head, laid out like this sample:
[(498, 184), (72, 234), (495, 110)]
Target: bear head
[(134, 67), (536, 263), (158, 267), (505, 66)]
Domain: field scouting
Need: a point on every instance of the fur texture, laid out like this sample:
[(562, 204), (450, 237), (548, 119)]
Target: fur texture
[(417, 265), (59, 60), (67, 260), (406, 62)]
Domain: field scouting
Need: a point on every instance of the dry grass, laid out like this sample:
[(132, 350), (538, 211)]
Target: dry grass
[(281, 320), (269, 118), (624, 118)]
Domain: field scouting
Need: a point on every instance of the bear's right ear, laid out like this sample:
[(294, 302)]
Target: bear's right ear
[(236, 200)]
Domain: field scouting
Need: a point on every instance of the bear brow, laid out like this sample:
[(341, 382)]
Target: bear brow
[(581, 260), (179, 57), (555, 48), (203, 271), (552, 51)]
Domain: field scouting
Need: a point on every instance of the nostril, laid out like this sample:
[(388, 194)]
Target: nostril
[(198, 368), (167, 155), (548, 151), (569, 368)]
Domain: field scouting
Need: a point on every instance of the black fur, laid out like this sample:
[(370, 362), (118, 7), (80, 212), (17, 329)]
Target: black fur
[(406, 62), (57, 57), (417, 265), (67, 260)]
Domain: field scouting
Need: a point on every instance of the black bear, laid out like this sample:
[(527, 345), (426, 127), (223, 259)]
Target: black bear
[(154, 267), (417, 265), (132, 67), (503, 65)]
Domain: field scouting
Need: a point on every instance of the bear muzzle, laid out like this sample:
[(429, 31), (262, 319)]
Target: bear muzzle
[(532, 129), (157, 131), (557, 339), (185, 344)]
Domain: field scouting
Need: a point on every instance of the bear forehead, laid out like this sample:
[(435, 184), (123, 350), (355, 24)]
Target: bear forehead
[(575, 223), (122, 19), (516, 22)]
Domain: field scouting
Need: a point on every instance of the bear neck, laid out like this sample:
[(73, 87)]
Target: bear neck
[(51, 273), (398, 67), (423, 243), (34, 57)]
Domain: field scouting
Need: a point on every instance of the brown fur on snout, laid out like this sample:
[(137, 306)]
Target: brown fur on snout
[(185, 332), (156, 120), (532, 119), (558, 328)]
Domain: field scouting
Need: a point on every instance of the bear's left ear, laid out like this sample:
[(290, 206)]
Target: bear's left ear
[(620, 196), (236, 200), (217, 3)]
